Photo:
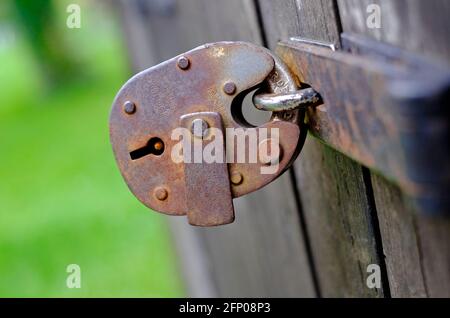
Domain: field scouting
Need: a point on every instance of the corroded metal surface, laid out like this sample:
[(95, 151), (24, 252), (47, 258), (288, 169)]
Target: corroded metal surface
[(274, 102), (211, 78), (208, 193), (388, 111)]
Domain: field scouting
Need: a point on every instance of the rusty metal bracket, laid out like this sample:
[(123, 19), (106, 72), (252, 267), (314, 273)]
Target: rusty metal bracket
[(384, 108)]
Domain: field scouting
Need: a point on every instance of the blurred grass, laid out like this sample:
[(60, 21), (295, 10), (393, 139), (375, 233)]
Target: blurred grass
[(62, 199)]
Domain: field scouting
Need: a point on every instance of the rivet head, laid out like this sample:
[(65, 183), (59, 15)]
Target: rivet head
[(236, 178), (229, 88), (267, 155), (199, 128), (129, 107), (183, 62), (160, 193)]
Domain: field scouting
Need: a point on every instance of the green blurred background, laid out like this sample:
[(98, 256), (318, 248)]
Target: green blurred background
[(62, 199)]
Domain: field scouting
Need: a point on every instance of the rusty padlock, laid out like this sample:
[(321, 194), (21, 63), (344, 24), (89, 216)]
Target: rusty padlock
[(200, 90)]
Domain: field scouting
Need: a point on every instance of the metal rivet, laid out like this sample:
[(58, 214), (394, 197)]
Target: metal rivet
[(160, 193), (236, 178), (269, 158), (183, 62), (229, 88), (129, 107), (199, 128)]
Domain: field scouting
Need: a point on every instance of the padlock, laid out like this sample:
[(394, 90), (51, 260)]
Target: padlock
[(200, 92)]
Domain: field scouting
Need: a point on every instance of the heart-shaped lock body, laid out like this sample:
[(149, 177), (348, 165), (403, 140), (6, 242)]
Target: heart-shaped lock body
[(201, 91)]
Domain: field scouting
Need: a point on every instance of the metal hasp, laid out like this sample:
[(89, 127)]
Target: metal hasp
[(384, 108), (209, 201), (202, 88)]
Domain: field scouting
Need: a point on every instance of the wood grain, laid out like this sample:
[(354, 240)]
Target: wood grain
[(416, 248), (400, 241), (332, 189), (261, 254), (415, 25)]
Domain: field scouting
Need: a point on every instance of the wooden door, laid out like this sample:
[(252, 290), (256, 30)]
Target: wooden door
[(314, 231)]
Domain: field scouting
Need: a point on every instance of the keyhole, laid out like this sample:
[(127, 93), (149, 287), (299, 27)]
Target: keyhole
[(155, 146)]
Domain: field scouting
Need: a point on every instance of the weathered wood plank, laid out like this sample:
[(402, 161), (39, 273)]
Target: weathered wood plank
[(140, 52), (416, 248), (262, 255), (415, 25), (195, 264), (332, 190), (399, 241), (339, 221), (263, 252), (314, 20)]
